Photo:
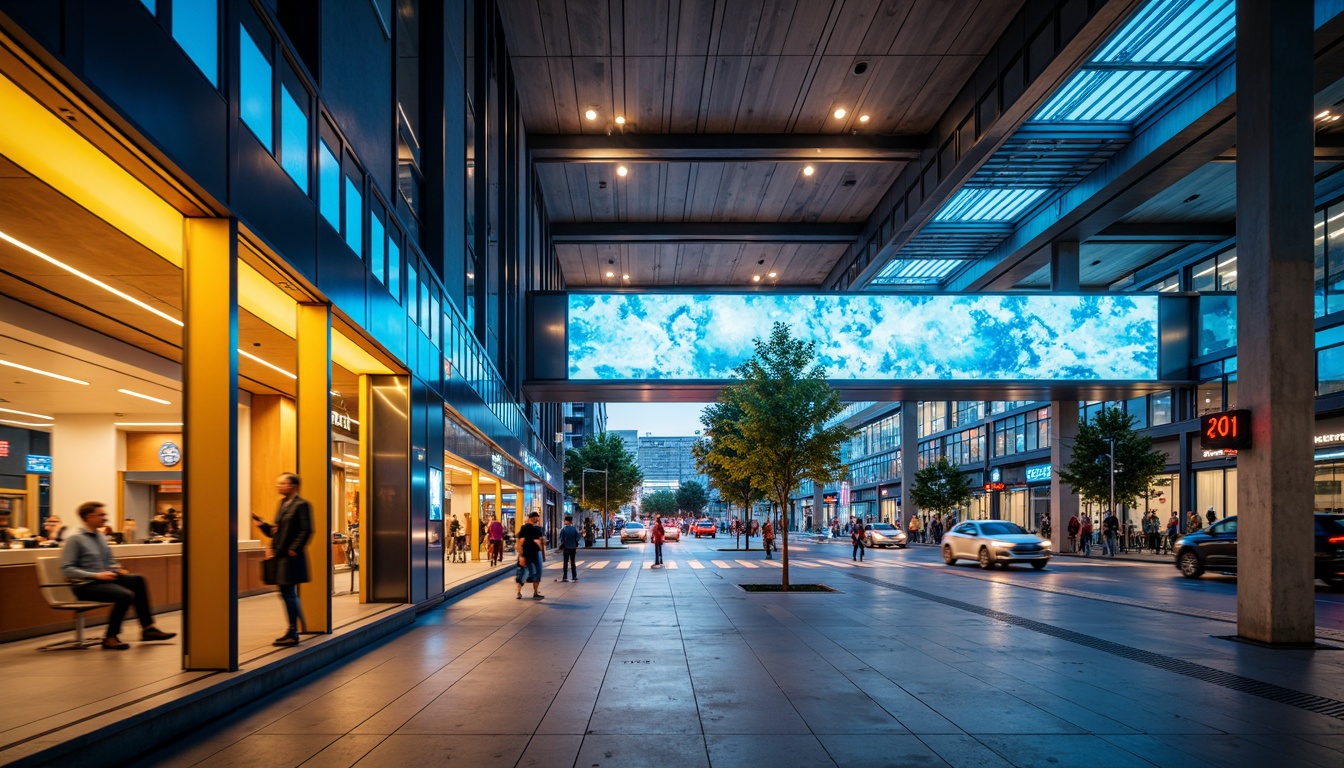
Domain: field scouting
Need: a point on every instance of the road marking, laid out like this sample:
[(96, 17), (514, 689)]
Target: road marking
[(720, 563), (806, 564), (671, 565), (695, 565), (599, 565), (747, 564), (772, 563), (624, 565)]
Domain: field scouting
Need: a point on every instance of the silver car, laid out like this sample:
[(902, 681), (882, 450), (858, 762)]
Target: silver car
[(886, 535), (995, 541), (634, 531)]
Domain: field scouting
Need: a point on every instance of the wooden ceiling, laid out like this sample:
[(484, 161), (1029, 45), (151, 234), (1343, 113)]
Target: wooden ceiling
[(677, 67), (665, 265)]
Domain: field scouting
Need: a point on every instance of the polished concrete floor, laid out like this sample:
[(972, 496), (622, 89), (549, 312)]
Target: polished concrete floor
[(911, 663)]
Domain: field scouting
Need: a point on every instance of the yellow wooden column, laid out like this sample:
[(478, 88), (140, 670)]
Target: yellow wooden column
[(210, 445), (314, 463), (474, 536), (365, 494)]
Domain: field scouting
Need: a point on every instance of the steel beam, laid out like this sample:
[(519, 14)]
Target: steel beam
[(1165, 232), (661, 391), (716, 147), (704, 232)]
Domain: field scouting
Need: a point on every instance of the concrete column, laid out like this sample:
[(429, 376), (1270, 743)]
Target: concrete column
[(314, 457), (84, 466), (210, 445), (1275, 343), (909, 455), (1064, 267), (1063, 501)]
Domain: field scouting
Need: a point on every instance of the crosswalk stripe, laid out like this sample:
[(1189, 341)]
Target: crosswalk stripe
[(599, 565), (747, 564), (671, 565), (695, 565), (624, 565), (772, 563), (720, 563), (805, 564), (553, 566)]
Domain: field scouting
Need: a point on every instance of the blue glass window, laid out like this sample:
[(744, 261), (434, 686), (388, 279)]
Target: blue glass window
[(255, 95), (394, 268), (412, 293), (354, 218), (1330, 370), (152, 5), (329, 185), (377, 241), (293, 139), (196, 29)]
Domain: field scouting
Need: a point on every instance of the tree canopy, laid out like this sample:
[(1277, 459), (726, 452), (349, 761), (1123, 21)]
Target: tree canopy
[(1136, 463), (659, 504), (692, 498), (940, 487), (602, 452), (780, 437), (713, 454)]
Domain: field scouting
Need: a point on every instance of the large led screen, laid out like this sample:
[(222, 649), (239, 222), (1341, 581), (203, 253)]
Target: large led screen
[(869, 337)]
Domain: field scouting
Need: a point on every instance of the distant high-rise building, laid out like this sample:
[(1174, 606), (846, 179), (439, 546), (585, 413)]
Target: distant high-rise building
[(667, 462), (582, 420)]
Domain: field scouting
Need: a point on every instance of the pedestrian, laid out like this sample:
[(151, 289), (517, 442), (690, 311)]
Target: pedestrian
[(835, 528), (495, 537), (856, 538), (589, 532), (1074, 527), (1193, 522), (531, 547), (1085, 536), (657, 536), (1110, 529), (768, 537), (1173, 530), (1046, 531), (936, 529), (1211, 516), (1150, 532), (456, 547), (569, 547), (289, 534), (87, 560), (913, 528)]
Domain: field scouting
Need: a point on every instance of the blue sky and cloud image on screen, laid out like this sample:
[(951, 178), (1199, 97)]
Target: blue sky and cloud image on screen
[(869, 337)]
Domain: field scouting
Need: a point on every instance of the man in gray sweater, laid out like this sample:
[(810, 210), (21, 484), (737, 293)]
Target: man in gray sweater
[(87, 560)]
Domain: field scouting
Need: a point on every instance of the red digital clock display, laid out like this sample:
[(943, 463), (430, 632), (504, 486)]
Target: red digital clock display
[(1228, 430)]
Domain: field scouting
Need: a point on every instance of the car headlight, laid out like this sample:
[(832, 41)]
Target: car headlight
[(1001, 544), (1179, 542)]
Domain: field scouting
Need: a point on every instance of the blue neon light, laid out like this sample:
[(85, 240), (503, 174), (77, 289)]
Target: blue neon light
[(959, 337), (918, 271), (971, 205), (1112, 96)]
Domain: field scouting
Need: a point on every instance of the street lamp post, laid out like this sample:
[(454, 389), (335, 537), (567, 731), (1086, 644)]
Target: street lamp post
[(606, 487)]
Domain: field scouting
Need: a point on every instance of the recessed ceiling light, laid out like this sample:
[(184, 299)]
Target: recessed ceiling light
[(840, 113), (625, 277), (756, 278), (591, 114), (25, 423), (25, 413), (611, 274), (863, 118), (272, 366), (143, 397), (620, 120), (809, 170), (146, 423), (41, 372), (621, 171), (773, 274)]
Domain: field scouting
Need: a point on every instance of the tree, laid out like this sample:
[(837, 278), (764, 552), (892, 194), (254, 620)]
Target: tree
[(692, 498), (782, 437), (713, 454), (604, 452), (940, 487), (660, 504), (1088, 473)]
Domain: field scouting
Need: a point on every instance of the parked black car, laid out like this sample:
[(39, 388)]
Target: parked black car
[(1215, 549)]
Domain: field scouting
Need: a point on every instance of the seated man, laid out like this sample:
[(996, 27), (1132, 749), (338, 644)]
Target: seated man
[(54, 532), (87, 558)]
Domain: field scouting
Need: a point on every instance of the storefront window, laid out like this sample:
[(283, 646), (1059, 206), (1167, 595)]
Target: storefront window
[(1161, 409), (1216, 488), (1330, 487)]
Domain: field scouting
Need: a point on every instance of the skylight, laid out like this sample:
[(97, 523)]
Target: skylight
[(917, 271), (988, 205)]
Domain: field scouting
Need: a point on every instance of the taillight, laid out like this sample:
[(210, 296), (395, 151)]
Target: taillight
[(1336, 539)]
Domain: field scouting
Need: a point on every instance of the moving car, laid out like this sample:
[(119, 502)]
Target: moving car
[(705, 527), (886, 535), (671, 530), (634, 531), (1215, 549), (995, 541)]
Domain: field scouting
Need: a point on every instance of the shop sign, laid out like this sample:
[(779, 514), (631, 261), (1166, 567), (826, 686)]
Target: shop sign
[(994, 486), (1337, 437), (828, 498), (996, 476), (170, 487), (1219, 453), (497, 464), (341, 420), (4, 448), (531, 463), (38, 464), (169, 454), (435, 493), (1038, 473)]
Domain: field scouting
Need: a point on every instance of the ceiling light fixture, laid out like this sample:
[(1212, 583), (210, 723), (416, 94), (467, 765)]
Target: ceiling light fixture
[(773, 274), (41, 372), (625, 277), (620, 120), (809, 170), (591, 114), (621, 171), (756, 278), (863, 118), (144, 397), (840, 113), (25, 413), (611, 274), (273, 367), (146, 423), (24, 423)]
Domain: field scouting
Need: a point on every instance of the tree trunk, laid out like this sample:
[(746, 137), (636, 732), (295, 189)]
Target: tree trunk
[(784, 549)]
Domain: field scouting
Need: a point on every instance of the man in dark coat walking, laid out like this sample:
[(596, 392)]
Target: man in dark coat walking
[(289, 534)]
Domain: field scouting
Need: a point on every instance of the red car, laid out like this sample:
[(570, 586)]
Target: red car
[(706, 527)]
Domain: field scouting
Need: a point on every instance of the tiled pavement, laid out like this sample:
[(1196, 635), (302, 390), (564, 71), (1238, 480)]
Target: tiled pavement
[(677, 666)]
